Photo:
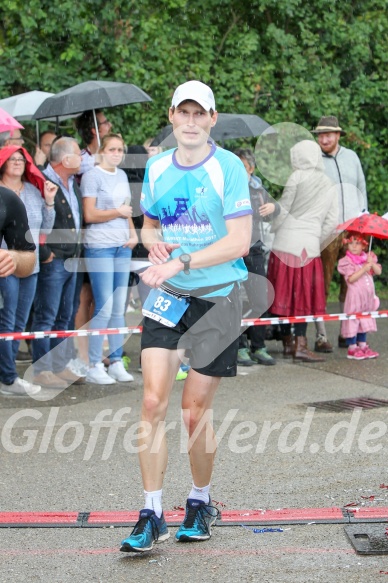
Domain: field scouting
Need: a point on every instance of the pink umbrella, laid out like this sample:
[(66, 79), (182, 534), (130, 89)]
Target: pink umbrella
[(8, 123)]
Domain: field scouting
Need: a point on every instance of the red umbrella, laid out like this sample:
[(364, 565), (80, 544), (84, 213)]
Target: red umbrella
[(367, 224), (8, 123)]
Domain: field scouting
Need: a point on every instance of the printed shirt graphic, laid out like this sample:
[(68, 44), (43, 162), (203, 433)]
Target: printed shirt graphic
[(192, 205)]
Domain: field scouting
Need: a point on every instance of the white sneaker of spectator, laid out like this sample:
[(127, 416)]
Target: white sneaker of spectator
[(20, 388), (117, 371), (78, 367), (96, 374)]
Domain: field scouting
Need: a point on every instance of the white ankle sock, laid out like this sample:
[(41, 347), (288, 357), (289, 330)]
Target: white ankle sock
[(153, 501), (200, 493)]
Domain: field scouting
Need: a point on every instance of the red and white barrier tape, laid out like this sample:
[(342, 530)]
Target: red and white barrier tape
[(244, 322), (317, 318)]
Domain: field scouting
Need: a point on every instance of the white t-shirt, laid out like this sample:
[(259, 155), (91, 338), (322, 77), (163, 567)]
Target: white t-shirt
[(111, 190)]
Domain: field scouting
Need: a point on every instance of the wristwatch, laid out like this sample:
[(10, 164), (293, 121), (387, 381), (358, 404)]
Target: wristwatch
[(185, 258)]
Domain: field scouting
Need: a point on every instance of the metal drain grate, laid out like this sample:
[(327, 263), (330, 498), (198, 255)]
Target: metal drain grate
[(349, 404), (368, 539)]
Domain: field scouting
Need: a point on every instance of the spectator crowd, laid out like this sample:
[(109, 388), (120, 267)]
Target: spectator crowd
[(85, 219)]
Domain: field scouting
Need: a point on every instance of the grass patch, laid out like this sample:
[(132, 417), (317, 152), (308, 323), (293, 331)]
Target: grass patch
[(381, 291)]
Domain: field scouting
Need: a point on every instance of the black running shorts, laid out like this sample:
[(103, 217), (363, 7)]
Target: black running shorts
[(209, 331)]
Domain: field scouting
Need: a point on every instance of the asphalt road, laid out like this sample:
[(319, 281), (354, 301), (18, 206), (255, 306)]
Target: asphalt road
[(275, 451)]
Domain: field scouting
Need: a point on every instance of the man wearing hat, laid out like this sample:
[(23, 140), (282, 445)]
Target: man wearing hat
[(343, 166), (197, 226)]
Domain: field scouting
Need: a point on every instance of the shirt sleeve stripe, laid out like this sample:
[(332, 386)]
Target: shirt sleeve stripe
[(149, 215), (238, 214)]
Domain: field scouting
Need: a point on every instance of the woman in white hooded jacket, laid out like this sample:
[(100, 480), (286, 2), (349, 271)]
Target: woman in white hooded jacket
[(308, 216)]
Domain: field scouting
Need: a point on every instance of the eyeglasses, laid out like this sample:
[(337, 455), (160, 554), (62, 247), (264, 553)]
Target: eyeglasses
[(16, 140), (101, 123), (14, 160)]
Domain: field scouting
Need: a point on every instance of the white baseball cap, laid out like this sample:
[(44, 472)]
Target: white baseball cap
[(194, 91)]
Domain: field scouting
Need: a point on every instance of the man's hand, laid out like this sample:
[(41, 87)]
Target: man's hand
[(161, 251), (267, 209), (7, 263), (40, 157), (155, 275), (49, 259), (50, 190), (18, 263)]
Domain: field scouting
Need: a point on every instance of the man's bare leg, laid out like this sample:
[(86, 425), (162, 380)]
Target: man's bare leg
[(197, 401), (159, 367)]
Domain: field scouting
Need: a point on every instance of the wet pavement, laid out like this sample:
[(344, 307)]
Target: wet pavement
[(275, 451)]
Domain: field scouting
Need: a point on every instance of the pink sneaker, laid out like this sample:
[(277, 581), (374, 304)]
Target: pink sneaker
[(369, 353), (356, 354)]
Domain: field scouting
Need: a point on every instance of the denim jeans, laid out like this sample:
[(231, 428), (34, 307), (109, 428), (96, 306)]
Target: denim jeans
[(17, 296), (53, 308), (71, 351), (110, 288), (361, 337)]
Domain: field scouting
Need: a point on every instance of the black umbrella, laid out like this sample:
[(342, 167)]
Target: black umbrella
[(229, 126), (90, 95)]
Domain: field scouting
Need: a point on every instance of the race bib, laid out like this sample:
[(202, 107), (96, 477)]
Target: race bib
[(165, 307)]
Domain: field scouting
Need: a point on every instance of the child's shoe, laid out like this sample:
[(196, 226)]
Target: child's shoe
[(356, 354), (369, 353)]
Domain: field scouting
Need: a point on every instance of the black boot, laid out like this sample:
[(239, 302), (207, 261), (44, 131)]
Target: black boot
[(288, 346)]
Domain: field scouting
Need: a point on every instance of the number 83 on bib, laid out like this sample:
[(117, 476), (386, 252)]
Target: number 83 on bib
[(164, 307)]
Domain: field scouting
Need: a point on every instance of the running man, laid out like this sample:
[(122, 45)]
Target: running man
[(197, 197)]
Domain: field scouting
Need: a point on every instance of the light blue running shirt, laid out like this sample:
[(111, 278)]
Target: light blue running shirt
[(192, 204)]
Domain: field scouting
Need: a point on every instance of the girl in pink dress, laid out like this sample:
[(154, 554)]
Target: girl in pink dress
[(358, 268)]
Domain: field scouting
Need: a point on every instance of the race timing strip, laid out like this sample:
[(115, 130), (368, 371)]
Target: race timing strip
[(117, 518), (138, 329)]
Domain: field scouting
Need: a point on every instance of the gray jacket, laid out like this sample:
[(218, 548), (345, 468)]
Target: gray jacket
[(345, 170)]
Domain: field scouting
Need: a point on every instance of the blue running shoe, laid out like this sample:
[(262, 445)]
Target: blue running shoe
[(148, 530), (199, 519)]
